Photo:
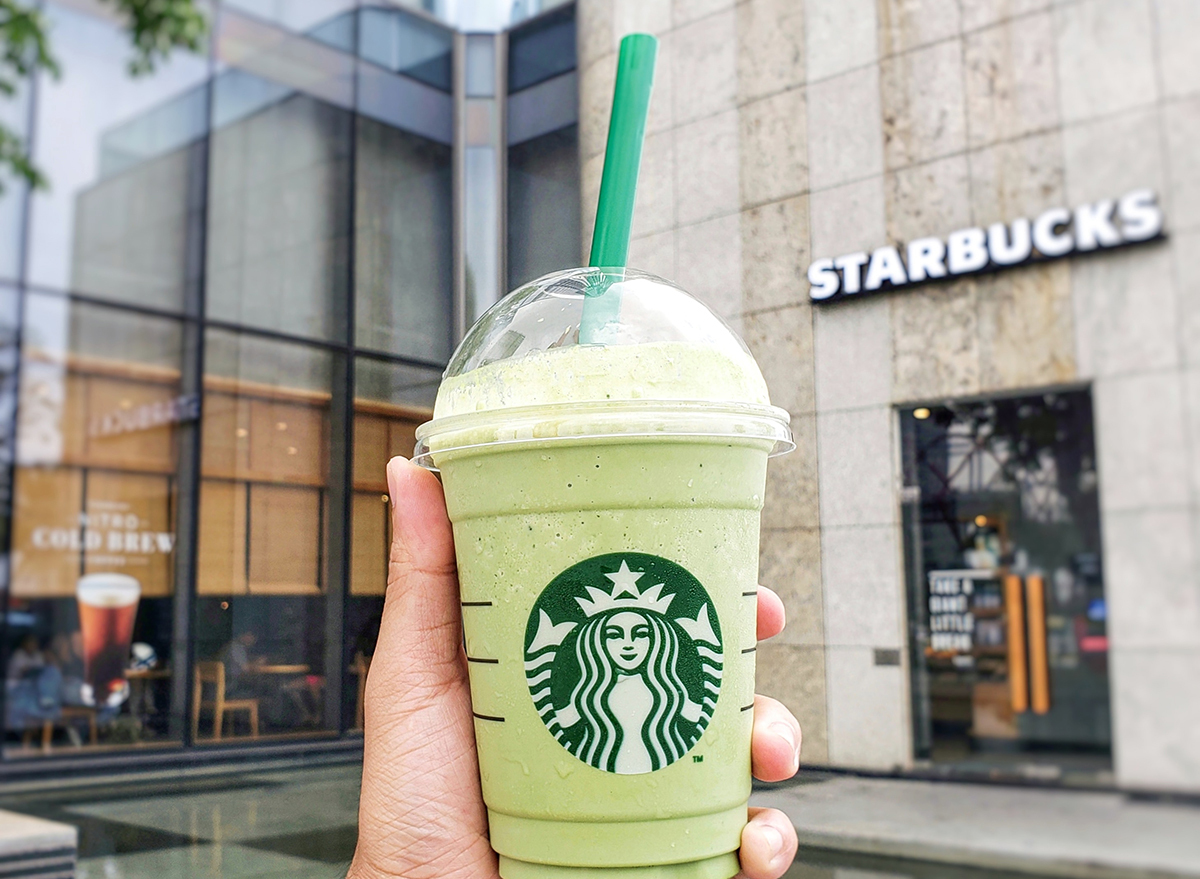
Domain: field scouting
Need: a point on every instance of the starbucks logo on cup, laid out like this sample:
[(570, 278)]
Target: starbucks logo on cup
[(623, 659)]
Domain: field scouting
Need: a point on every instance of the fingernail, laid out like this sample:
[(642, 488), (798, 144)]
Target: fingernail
[(785, 732), (774, 841)]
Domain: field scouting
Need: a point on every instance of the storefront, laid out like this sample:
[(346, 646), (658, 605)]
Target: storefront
[(230, 309), (959, 238)]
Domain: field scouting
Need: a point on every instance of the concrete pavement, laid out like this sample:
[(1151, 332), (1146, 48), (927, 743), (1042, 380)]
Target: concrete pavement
[(1052, 832)]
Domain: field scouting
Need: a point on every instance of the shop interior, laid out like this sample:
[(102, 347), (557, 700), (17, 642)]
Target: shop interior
[(1006, 592)]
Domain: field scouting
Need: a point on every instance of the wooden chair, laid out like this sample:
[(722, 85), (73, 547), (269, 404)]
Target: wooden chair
[(360, 667), (214, 673), (69, 713)]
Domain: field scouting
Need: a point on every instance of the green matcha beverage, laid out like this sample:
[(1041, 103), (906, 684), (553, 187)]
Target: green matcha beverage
[(605, 498)]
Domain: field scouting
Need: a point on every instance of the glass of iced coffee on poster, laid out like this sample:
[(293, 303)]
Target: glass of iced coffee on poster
[(108, 606)]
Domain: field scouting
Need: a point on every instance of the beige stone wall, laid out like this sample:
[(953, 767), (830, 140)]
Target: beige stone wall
[(722, 209), (784, 130)]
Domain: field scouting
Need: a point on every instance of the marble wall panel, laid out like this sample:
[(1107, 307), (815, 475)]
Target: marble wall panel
[(1105, 158), (1026, 328), (595, 104), (640, 16), (792, 496), (704, 67), (853, 354), (781, 340), (845, 140), (1156, 744), (841, 35), (1150, 579), (1182, 125), (868, 716), (1018, 178), (690, 10), (708, 263), (655, 254), (936, 341), (795, 675), (707, 168), (854, 457), (932, 198), (1177, 25), (1105, 57), (790, 564), (770, 47), (921, 98), (655, 201), (775, 254), (908, 24), (773, 148), (1141, 447), (848, 218), (978, 14), (1011, 82), (1125, 311), (862, 572)]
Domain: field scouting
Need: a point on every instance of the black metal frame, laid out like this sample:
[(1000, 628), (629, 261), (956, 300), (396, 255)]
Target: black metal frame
[(335, 567)]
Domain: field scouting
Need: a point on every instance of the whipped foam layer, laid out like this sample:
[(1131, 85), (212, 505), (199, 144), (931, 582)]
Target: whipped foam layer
[(578, 374)]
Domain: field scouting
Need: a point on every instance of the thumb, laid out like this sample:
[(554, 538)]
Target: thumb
[(421, 618)]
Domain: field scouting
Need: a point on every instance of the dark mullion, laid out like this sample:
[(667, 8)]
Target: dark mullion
[(341, 449), (187, 539)]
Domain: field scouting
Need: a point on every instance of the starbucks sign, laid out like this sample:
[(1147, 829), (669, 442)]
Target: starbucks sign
[(1056, 233), (623, 658)]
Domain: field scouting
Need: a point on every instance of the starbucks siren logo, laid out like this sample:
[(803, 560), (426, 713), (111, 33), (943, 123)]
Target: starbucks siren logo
[(626, 679)]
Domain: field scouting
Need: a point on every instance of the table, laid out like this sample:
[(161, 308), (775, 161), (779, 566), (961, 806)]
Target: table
[(279, 669)]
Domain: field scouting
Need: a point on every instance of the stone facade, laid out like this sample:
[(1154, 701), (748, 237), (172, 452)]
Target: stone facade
[(784, 130)]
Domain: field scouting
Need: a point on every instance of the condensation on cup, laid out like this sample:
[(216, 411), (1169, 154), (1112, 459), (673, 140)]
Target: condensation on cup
[(108, 606)]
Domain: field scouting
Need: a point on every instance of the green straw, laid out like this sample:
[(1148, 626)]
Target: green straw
[(618, 184)]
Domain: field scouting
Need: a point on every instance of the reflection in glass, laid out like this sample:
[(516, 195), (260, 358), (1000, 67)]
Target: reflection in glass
[(279, 212), (543, 205), (390, 401), (14, 114), (1006, 585), (541, 49), (261, 557), (406, 44), (301, 16), (120, 219), (481, 247), (480, 66), (93, 503), (405, 261)]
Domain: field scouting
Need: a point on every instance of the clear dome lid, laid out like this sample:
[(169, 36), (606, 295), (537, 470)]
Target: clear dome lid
[(600, 352)]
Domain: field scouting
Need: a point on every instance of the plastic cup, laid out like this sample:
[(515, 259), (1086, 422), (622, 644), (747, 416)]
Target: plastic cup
[(605, 503)]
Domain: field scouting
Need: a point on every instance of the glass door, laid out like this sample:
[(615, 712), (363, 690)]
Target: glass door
[(1006, 589)]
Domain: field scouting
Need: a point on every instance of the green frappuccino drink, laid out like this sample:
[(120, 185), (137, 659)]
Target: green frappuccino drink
[(605, 500)]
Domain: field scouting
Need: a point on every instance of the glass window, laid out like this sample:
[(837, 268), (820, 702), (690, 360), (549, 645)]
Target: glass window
[(121, 217), (391, 401), (1009, 642), (543, 205), (261, 578), (93, 535), (404, 267), (279, 209), (481, 66), (406, 44), (299, 16), (541, 49)]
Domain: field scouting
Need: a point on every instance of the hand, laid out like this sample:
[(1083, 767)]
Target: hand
[(421, 812)]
